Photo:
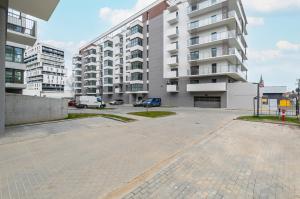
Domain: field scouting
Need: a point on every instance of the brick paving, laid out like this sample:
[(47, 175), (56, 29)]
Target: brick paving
[(90, 158), (244, 160)]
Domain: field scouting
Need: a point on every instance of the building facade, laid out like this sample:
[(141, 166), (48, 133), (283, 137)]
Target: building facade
[(17, 31), (185, 52), (45, 69)]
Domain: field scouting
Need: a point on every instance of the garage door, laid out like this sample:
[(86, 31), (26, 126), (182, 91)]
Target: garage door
[(207, 102)]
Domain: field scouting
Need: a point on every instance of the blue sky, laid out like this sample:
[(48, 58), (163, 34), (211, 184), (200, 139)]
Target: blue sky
[(274, 32)]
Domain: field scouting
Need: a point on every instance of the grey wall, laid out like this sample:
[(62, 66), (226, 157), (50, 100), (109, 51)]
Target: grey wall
[(3, 19), (240, 95), (22, 109)]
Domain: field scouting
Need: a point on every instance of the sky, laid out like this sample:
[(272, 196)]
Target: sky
[(273, 33)]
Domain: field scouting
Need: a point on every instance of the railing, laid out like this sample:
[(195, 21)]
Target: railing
[(211, 20), (220, 69), (211, 38), (212, 54), (203, 5), (21, 24)]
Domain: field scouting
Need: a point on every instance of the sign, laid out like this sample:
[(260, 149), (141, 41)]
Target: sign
[(285, 103)]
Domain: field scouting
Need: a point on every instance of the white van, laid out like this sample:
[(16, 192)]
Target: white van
[(90, 102)]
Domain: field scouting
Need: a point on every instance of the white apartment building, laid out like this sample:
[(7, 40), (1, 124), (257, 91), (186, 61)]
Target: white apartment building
[(17, 30), (45, 69), (186, 52)]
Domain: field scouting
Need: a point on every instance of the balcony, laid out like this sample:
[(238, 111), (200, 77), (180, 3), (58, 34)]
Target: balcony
[(172, 88), (136, 59), (172, 17), (231, 54), (136, 47), (207, 87), (230, 19), (237, 72), (172, 48), (136, 35), (173, 61), (171, 74), (204, 7), (173, 7), (173, 33), (20, 29)]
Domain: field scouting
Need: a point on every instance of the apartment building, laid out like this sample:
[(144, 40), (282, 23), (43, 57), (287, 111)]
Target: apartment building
[(186, 52), (17, 30), (45, 69)]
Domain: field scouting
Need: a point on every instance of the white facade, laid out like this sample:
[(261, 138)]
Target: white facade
[(45, 68)]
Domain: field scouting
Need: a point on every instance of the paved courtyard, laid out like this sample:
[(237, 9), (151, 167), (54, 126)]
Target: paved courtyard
[(194, 154)]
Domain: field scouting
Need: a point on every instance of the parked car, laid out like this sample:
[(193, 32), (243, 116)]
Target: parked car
[(117, 102), (152, 102), (72, 103), (139, 103), (90, 102)]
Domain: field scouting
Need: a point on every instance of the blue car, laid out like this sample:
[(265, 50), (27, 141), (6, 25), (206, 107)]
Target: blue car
[(152, 102)]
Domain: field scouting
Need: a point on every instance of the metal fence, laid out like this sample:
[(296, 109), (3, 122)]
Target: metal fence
[(272, 107)]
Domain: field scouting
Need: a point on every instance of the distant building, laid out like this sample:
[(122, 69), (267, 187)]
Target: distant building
[(274, 92), (45, 69)]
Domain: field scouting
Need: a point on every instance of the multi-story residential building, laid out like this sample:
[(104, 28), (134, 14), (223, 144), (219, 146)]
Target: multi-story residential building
[(45, 69), (17, 31), (187, 52), (17, 23)]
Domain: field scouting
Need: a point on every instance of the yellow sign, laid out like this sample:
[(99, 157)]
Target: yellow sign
[(285, 103)]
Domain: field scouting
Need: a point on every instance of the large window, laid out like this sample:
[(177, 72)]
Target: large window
[(194, 40), (136, 29), (108, 53), (108, 71), (108, 63), (108, 80), (136, 65), (136, 76), (14, 54), (136, 41), (14, 76), (108, 44), (136, 87), (136, 54)]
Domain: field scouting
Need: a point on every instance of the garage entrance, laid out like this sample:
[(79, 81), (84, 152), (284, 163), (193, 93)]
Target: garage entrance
[(207, 102)]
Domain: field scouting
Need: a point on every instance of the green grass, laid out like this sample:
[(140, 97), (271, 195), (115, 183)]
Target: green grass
[(291, 120), (153, 114), (89, 115)]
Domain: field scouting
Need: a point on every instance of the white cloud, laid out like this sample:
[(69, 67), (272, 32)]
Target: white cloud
[(286, 45), (115, 16), (256, 21), (277, 65), (271, 5)]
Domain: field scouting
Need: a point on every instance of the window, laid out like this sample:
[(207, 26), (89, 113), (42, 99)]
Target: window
[(136, 65), (136, 76), (108, 53), (136, 54), (214, 68), (194, 24), (194, 7), (213, 19), (108, 63), (136, 29), (194, 55), (14, 76), (14, 54), (195, 70), (214, 80), (136, 41), (136, 87), (194, 40), (108, 44), (108, 80), (214, 52), (214, 36), (108, 71)]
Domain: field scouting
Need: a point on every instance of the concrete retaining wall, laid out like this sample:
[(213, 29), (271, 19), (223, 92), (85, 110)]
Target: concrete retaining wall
[(22, 109)]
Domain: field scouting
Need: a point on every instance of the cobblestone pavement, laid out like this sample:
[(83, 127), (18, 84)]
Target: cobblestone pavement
[(90, 158), (244, 160)]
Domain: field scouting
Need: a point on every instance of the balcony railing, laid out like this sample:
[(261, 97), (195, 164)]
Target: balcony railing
[(21, 24), (203, 55), (220, 69), (200, 6), (212, 38), (211, 20)]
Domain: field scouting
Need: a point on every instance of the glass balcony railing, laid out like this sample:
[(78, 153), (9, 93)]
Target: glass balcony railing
[(21, 24), (202, 55), (199, 6)]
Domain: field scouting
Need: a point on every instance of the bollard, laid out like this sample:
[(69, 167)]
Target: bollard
[(283, 115)]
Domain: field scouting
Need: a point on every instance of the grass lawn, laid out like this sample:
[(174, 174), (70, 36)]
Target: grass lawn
[(88, 115), (291, 120), (153, 114)]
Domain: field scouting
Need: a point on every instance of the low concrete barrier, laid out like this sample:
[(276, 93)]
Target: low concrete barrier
[(21, 109)]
